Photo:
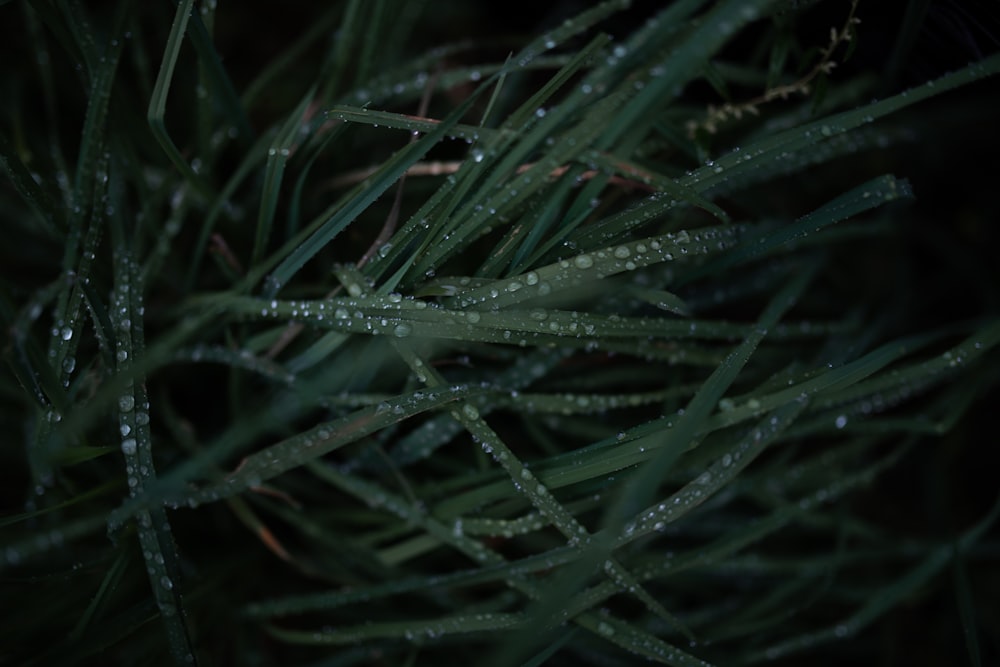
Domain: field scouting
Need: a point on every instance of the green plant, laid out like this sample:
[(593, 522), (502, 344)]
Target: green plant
[(606, 350)]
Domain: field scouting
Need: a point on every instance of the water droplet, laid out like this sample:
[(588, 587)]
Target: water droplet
[(470, 411), (129, 446), (621, 252), (67, 333), (583, 261), (402, 330), (840, 421), (126, 402)]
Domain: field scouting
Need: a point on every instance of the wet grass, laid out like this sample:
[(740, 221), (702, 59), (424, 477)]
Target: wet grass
[(623, 337)]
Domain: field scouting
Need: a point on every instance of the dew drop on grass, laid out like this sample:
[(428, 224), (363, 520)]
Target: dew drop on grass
[(128, 445), (126, 402), (840, 421), (402, 330), (470, 411), (66, 333), (583, 261)]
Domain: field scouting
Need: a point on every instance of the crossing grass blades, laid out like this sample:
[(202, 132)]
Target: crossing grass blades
[(603, 342)]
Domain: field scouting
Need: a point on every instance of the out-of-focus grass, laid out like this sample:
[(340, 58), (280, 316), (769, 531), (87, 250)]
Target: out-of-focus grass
[(361, 336)]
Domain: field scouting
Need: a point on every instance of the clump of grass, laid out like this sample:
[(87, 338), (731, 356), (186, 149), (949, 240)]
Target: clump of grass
[(618, 347)]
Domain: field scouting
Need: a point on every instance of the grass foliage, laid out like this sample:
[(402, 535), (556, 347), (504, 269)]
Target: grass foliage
[(604, 341)]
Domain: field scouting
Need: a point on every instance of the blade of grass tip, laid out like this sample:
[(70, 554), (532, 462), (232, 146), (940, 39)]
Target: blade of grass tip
[(277, 157), (642, 486), (496, 91), (295, 203), (857, 200), (158, 102), (155, 538), (232, 108)]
